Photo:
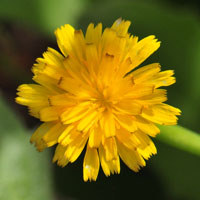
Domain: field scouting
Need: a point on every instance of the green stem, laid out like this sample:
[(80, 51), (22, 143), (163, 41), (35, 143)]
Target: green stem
[(181, 138)]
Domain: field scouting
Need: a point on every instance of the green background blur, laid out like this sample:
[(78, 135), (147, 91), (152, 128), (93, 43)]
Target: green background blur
[(26, 30)]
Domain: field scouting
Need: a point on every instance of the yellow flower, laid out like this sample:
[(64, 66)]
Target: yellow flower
[(93, 96)]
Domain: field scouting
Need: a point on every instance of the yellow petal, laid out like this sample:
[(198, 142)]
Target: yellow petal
[(158, 96), (65, 36), (140, 90), (91, 164), (146, 147), (66, 132), (79, 45), (48, 82), (75, 148), (146, 126), (62, 100), (31, 101), (74, 87), (35, 111), (51, 113), (59, 156), (161, 114), (112, 166), (113, 44), (53, 57), (121, 27), (53, 72), (164, 78), (172, 109), (107, 124), (69, 135), (109, 144), (142, 50), (75, 113), (127, 139), (50, 63), (70, 85), (129, 106), (127, 122), (125, 63), (95, 137), (32, 89), (32, 95), (130, 157), (39, 133), (144, 73), (122, 86), (76, 70), (92, 59), (106, 69), (51, 137), (87, 122), (93, 34)]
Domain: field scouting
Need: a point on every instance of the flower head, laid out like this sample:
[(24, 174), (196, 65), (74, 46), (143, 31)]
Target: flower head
[(93, 96)]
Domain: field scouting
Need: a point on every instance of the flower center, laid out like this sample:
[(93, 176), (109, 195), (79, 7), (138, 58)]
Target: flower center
[(103, 100)]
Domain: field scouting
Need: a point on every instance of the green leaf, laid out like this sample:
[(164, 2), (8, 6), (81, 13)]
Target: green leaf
[(181, 138), (24, 172)]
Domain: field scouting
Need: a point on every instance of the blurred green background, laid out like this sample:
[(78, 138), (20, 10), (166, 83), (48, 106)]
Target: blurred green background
[(26, 30)]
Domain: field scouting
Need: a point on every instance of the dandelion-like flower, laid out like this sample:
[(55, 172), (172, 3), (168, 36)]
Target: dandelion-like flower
[(93, 96)]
